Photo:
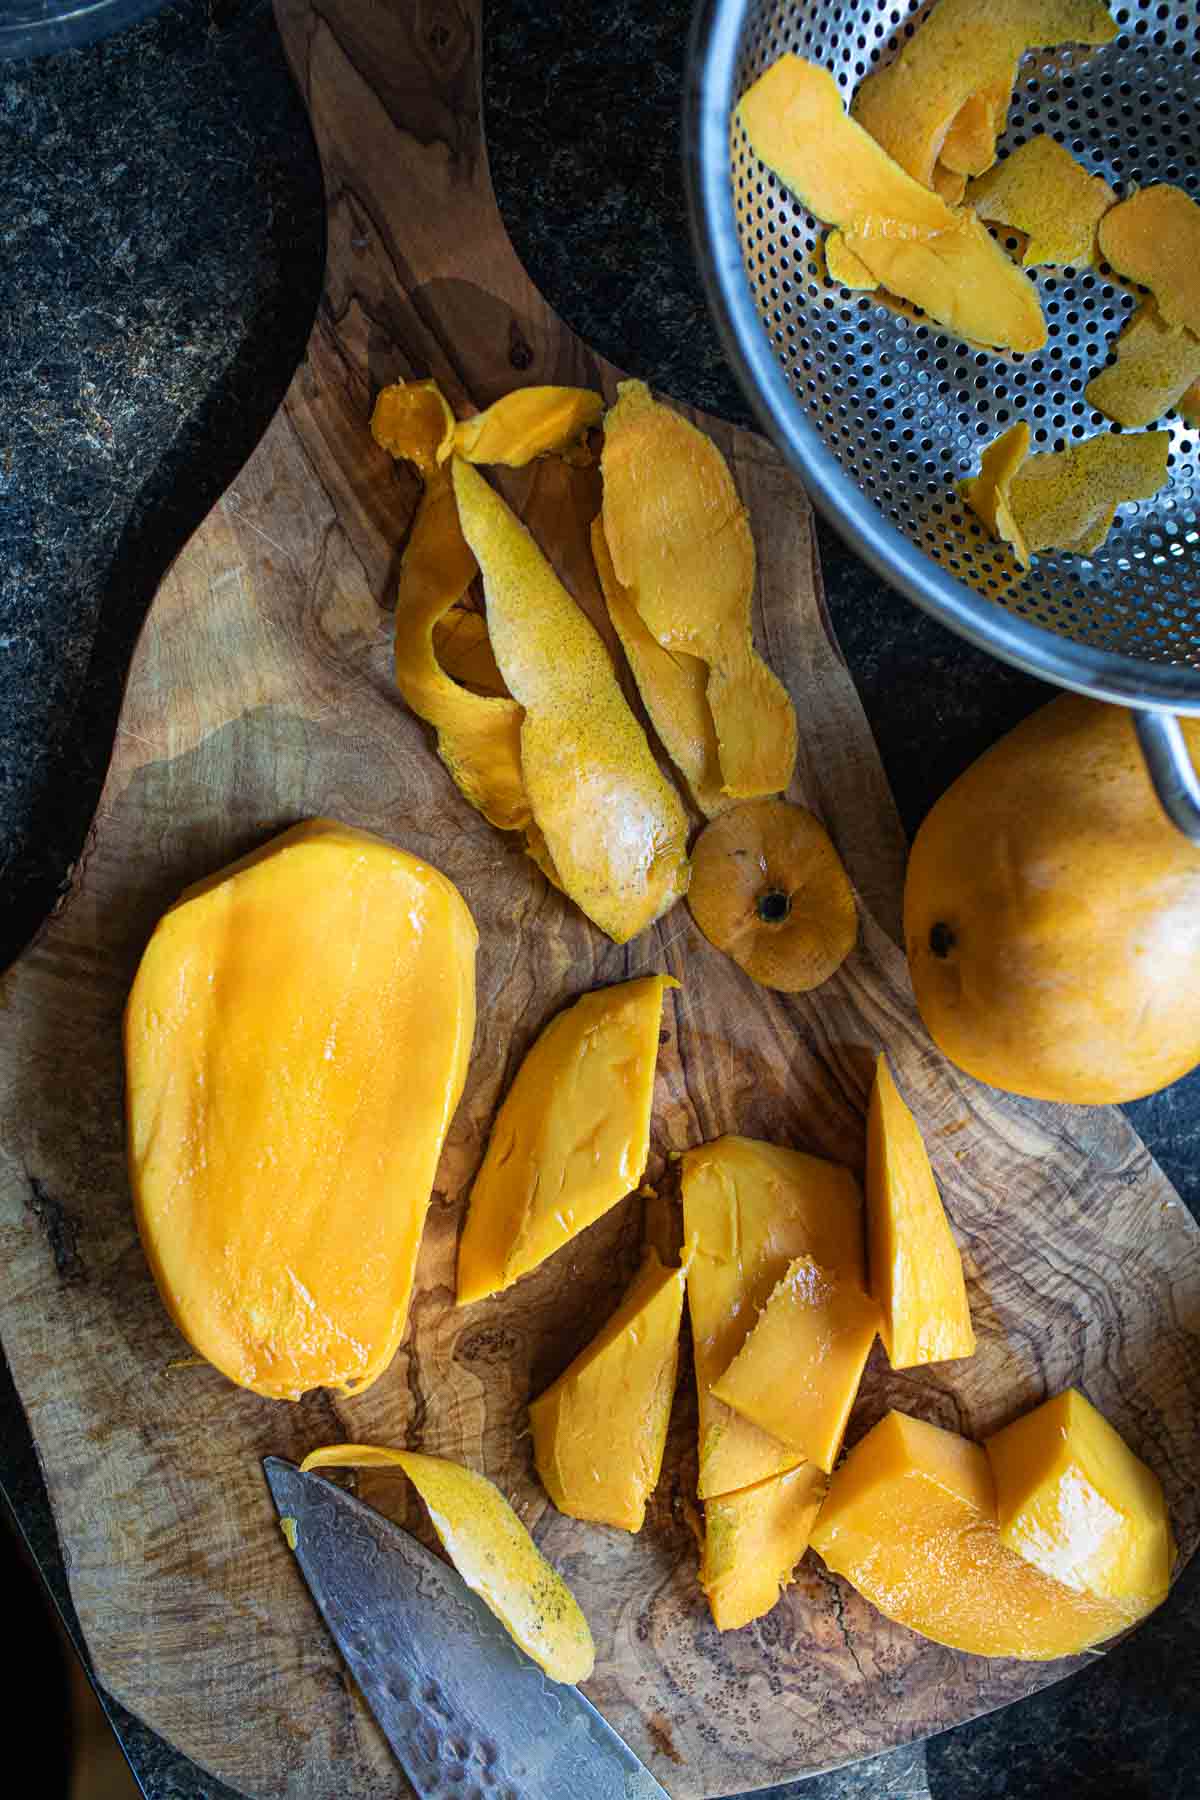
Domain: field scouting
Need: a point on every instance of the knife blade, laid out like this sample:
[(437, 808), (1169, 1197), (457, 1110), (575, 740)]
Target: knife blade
[(460, 1705)]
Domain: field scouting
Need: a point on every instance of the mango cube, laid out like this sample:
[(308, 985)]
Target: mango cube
[(748, 1209), (753, 1541), (600, 1431), (1074, 1501), (798, 1372), (915, 1269), (910, 1521)]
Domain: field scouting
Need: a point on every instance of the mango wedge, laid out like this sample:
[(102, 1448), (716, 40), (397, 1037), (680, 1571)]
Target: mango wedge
[(1074, 1501), (491, 1550), (910, 1521), (600, 1431), (749, 1208), (753, 1541), (938, 258), (965, 53), (1041, 190), (797, 1374), (680, 546), (571, 1137), (296, 1043), (613, 826), (915, 1268)]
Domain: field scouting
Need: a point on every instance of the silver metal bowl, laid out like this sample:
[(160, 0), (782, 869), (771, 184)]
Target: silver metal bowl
[(881, 412)]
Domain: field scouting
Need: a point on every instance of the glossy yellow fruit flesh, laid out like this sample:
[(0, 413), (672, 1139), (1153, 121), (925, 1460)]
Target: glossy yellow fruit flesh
[(910, 1521), (571, 1138), (753, 1541), (296, 1042), (599, 1433)]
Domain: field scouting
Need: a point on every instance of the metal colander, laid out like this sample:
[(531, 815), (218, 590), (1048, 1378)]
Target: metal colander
[(881, 412)]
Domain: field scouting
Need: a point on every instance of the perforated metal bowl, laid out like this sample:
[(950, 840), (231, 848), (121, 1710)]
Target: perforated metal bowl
[(881, 412)]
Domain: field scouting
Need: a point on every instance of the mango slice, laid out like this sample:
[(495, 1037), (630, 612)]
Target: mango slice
[(749, 1209), (916, 1272), (965, 51), (680, 545), (600, 1432), (1153, 238), (1074, 1501), (571, 1137), (491, 1550), (1065, 499), (529, 422), (478, 737), (753, 1541), (1155, 366), (941, 260), (296, 1042), (1041, 190), (613, 825), (842, 265), (910, 1521), (797, 1374), (769, 889), (673, 687)]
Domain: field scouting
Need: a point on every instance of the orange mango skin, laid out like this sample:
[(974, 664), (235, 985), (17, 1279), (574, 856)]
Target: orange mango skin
[(749, 1208), (916, 1272), (910, 1521), (296, 1042), (753, 1541), (1073, 913), (1074, 1500), (571, 1137), (600, 1431)]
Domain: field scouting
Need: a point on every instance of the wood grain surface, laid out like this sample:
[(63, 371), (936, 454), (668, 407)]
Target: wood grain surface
[(261, 693)]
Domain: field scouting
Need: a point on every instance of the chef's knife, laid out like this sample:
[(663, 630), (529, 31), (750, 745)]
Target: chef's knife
[(460, 1705)]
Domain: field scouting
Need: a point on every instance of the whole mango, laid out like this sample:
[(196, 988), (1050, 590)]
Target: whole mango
[(1052, 914)]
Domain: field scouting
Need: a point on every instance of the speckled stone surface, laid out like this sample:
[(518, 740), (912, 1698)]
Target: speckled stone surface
[(161, 239)]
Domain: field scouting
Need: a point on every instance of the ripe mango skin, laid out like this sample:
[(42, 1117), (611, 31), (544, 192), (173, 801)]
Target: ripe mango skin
[(1052, 915)]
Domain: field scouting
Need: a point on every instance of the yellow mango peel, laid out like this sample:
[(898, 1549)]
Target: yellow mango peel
[(1074, 1501), (464, 649), (673, 687), (844, 266), (964, 55), (797, 1374), (478, 736), (529, 422), (613, 825), (491, 1550), (753, 1541), (910, 1521), (680, 546), (916, 1272), (1041, 190), (1153, 238), (1155, 367), (571, 1137), (948, 184), (1065, 499), (749, 1208), (600, 1431), (937, 257)]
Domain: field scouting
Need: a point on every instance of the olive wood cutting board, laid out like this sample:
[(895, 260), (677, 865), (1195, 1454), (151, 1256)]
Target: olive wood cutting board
[(261, 693)]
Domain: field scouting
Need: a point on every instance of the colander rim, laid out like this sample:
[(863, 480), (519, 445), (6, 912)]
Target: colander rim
[(708, 98)]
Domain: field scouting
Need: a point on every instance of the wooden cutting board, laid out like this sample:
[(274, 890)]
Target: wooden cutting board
[(261, 693)]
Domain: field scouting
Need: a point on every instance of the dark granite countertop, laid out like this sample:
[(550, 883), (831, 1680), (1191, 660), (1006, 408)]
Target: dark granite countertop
[(162, 245)]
